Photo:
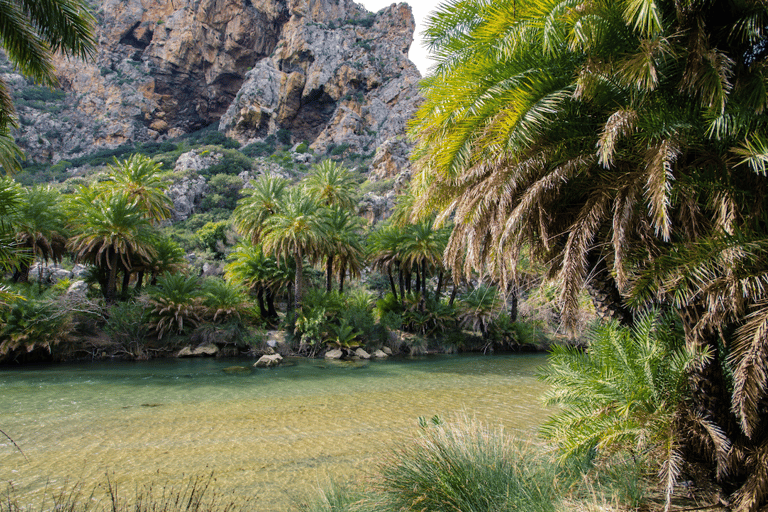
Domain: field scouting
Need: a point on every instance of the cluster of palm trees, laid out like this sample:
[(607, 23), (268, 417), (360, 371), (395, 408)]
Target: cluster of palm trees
[(111, 224), (314, 222), (624, 144)]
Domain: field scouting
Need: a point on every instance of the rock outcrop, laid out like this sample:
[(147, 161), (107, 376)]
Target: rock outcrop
[(326, 71)]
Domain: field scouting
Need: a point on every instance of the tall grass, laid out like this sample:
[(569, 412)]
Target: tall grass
[(194, 495), (469, 467)]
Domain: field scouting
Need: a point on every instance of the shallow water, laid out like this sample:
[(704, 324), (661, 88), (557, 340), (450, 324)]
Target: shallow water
[(269, 435)]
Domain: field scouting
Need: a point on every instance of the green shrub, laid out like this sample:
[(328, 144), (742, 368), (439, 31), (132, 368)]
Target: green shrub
[(128, 325), (284, 136), (177, 304), (469, 467), (226, 301), (257, 149), (31, 321)]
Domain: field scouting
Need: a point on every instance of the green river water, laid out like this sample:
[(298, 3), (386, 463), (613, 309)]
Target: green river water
[(270, 435)]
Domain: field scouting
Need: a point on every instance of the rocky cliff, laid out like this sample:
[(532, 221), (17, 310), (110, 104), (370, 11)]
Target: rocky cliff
[(324, 71)]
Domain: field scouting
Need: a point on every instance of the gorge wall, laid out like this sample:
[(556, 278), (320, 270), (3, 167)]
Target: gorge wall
[(327, 71)]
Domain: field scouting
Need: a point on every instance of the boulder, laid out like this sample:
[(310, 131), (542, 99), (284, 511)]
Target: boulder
[(267, 361), (362, 354), (49, 274), (77, 288), (380, 354), (79, 271), (387, 350), (334, 354)]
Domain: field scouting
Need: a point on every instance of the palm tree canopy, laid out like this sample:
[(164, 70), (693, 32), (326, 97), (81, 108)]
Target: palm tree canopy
[(261, 202), (31, 32), (622, 142), (139, 177), (10, 203), (330, 184), (294, 230), (588, 133), (112, 224), (343, 238), (40, 222)]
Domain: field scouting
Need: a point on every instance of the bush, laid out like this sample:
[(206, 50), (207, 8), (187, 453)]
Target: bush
[(257, 149), (284, 136), (621, 395), (467, 466), (177, 304), (128, 326)]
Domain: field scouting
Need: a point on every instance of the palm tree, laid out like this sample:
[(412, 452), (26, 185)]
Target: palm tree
[(261, 274), (138, 177), (422, 250), (39, 225), (262, 201), (609, 138), (110, 232), (168, 257), (294, 231), (331, 185), (343, 244), (621, 394), (32, 31), (385, 253), (10, 203)]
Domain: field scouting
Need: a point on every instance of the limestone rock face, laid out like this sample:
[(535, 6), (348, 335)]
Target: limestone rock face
[(332, 81), (391, 158), (374, 208), (327, 71), (186, 194)]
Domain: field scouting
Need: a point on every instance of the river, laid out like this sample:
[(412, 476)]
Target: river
[(271, 435)]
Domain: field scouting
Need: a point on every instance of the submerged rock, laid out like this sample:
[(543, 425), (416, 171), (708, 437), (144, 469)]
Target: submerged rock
[(268, 361), (237, 369), (204, 351)]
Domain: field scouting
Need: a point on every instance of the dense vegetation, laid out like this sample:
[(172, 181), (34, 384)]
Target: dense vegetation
[(251, 262), (623, 144)]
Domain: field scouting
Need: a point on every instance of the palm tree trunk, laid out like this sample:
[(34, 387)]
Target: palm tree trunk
[(139, 281), (298, 281), (109, 294), (329, 273), (424, 278), (260, 300), (401, 282), (342, 275), (126, 281), (271, 311), (392, 282), (439, 289), (604, 292), (454, 292), (710, 398), (513, 302)]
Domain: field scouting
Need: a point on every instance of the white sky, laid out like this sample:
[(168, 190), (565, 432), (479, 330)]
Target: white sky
[(421, 9)]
